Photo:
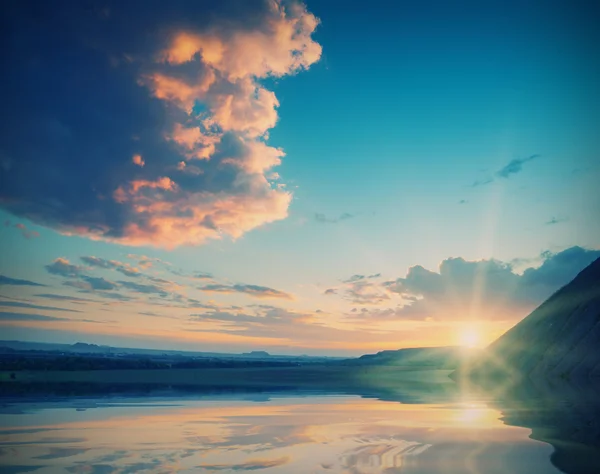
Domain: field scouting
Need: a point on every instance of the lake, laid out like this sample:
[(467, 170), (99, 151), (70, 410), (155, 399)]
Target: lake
[(287, 432)]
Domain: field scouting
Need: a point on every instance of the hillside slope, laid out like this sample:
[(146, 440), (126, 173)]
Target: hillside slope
[(560, 339), (418, 358)]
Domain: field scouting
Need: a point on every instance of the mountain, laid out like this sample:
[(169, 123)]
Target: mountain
[(558, 340), (89, 348), (82, 348), (419, 357), (257, 354)]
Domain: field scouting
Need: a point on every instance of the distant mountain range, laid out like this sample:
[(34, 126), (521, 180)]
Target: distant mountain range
[(85, 348), (559, 340), (421, 357)]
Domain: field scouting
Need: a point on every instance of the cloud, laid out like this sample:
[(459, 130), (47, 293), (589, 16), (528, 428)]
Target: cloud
[(146, 262), (99, 283), (355, 278), (63, 298), (365, 292), (20, 304), (485, 289), (91, 283), (4, 280), (138, 160), (28, 234), (62, 266), (250, 465), (262, 321), (323, 219), (361, 289), (155, 315), (148, 284), (513, 167), (481, 182), (8, 317), (100, 286), (557, 270), (287, 328), (123, 268), (141, 288), (114, 296), (188, 98), (554, 220), (203, 276), (252, 290), (18, 317)]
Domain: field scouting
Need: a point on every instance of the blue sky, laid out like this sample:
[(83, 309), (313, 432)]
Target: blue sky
[(403, 136)]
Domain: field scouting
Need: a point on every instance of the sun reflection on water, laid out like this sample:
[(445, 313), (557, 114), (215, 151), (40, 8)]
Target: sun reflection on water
[(326, 434)]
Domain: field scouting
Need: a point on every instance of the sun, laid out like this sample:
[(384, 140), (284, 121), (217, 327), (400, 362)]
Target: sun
[(469, 337)]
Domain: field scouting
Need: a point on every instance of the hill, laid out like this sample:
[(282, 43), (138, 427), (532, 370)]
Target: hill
[(558, 340), (418, 358)]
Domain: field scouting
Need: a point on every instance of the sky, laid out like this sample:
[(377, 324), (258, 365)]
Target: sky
[(302, 178)]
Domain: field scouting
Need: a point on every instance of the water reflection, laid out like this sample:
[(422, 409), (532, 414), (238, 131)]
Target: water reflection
[(562, 413), (282, 434)]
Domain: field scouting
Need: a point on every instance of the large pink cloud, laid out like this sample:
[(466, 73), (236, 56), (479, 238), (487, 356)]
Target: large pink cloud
[(226, 66), (194, 218), (197, 166), (282, 46)]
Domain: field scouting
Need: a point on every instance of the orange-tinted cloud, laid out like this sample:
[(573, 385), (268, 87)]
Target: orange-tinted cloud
[(138, 160), (190, 221), (252, 290), (284, 45), (178, 91), (237, 112), (188, 109), (28, 234)]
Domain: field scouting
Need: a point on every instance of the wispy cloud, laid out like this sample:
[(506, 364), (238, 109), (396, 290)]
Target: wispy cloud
[(91, 283), (255, 291), (78, 277), (554, 220), (123, 268), (21, 304), (75, 299), (357, 277), (361, 289), (9, 317), (143, 288), (18, 317), (513, 167), (62, 267), (482, 182), (323, 219), (4, 280), (28, 234)]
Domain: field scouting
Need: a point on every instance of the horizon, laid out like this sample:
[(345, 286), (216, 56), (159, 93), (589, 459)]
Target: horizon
[(458, 346), (307, 178)]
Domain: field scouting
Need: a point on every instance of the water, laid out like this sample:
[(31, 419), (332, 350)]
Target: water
[(265, 433)]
